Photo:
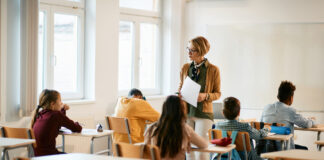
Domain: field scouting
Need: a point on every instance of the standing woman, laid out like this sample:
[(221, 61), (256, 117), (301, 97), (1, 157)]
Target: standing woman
[(200, 70)]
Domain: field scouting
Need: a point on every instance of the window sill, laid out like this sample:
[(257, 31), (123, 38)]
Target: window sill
[(155, 97), (80, 101)]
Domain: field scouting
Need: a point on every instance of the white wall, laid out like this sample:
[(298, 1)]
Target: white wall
[(203, 14)]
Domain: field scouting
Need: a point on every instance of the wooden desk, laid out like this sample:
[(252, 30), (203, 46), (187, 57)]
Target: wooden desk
[(284, 139), (216, 149), (294, 154), (89, 133), (317, 128), (13, 143), (79, 156)]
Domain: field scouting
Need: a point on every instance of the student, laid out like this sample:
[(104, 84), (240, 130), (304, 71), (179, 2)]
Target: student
[(48, 118), (231, 112), (171, 133), (207, 75), (138, 111), (281, 112)]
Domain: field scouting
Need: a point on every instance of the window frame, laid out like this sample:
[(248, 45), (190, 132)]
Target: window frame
[(149, 17), (48, 61)]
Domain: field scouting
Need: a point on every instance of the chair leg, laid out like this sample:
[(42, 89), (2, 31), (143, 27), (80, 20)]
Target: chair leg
[(7, 155)]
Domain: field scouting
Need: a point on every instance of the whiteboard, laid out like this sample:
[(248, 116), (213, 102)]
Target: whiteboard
[(254, 59)]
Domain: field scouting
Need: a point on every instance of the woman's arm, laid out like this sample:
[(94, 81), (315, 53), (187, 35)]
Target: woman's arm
[(216, 88), (68, 123), (196, 139)]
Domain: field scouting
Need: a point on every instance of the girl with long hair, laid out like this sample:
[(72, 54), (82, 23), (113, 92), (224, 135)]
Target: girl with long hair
[(171, 133), (48, 118)]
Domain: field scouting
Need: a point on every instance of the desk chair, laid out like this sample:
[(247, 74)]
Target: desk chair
[(23, 133), (258, 125), (119, 125), (20, 158), (265, 145), (136, 151), (320, 144), (242, 141)]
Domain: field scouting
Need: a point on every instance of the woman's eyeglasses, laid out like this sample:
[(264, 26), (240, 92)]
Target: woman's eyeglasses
[(190, 50)]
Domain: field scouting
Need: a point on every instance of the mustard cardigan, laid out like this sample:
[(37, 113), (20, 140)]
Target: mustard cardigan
[(212, 87)]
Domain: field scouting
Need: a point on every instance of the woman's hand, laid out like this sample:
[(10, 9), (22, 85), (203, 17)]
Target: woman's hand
[(202, 97), (66, 107)]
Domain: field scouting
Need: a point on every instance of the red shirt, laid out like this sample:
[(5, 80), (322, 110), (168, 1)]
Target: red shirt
[(46, 129)]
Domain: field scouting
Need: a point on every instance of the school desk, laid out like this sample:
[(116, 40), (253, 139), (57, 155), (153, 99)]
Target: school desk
[(93, 134)]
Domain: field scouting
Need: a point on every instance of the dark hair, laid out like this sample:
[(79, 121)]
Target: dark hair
[(134, 92), (45, 99), (285, 91), (231, 108), (169, 128)]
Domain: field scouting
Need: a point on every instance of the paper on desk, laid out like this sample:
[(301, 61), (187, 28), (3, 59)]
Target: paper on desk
[(190, 91), (270, 134)]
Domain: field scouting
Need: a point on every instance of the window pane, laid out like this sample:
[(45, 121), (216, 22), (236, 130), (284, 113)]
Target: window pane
[(65, 52), (148, 48), (150, 5), (125, 55), (41, 50)]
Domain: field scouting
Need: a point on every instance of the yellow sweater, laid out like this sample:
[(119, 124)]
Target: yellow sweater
[(137, 111)]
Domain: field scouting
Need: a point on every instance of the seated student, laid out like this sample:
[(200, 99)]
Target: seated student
[(138, 111), (231, 112), (48, 118), (281, 112), (171, 133)]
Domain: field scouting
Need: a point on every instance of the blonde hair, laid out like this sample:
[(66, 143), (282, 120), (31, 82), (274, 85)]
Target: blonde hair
[(201, 44), (45, 99)]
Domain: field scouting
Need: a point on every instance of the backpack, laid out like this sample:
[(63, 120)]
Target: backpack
[(235, 154)]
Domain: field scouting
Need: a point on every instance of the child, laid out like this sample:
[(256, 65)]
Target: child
[(231, 111), (48, 118), (171, 134)]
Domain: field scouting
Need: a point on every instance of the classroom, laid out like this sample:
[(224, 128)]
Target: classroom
[(91, 59)]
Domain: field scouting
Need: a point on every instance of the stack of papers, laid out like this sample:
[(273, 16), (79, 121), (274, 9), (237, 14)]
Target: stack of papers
[(190, 91)]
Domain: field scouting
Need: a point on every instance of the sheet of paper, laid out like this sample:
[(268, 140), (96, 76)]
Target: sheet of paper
[(271, 134), (190, 91)]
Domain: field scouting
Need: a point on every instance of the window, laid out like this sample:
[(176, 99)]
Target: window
[(61, 48), (150, 5), (139, 47)]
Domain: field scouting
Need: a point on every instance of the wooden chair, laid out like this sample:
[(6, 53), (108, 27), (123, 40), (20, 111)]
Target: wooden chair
[(136, 151), (242, 141), (257, 125), (320, 144), (23, 133), (20, 158), (119, 125)]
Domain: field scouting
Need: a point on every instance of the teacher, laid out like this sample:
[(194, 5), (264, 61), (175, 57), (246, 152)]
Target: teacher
[(204, 73)]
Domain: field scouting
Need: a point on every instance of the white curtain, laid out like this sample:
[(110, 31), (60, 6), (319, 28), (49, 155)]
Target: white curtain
[(29, 57)]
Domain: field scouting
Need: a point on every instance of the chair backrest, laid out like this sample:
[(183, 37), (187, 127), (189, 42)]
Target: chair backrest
[(24, 133), (20, 158), (257, 125), (16, 132), (241, 139), (119, 125), (136, 151)]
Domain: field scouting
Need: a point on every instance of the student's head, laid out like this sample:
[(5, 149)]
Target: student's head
[(232, 107), (286, 92), (169, 128), (135, 93), (48, 99), (197, 48)]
